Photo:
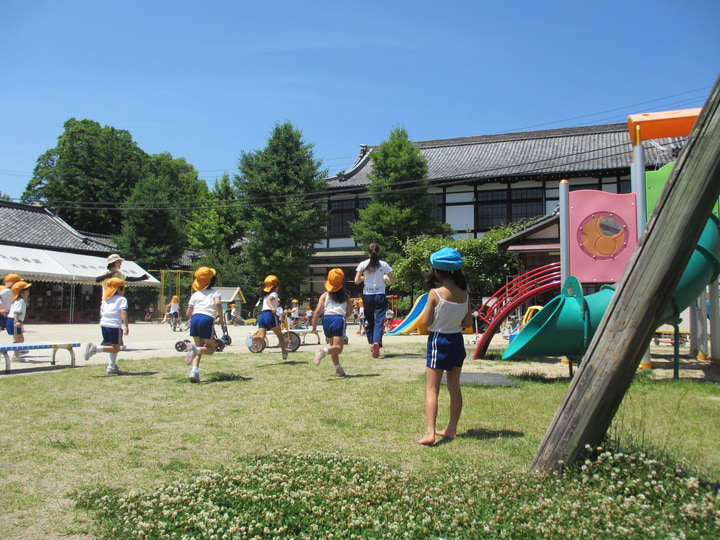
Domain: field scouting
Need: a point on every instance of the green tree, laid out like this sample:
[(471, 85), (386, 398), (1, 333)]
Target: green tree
[(150, 233), (87, 175), (4, 197), (486, 267), (279, 188), (400, 205), (216, 232)]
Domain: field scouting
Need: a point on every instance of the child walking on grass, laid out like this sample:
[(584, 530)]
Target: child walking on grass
[(204, 306), (335, 309), (269, 319), (113, 324), (446, 314)]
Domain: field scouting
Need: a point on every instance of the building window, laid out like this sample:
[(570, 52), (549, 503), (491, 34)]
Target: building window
[(437, 213), (492, 209), (526, 203), (342, 213)]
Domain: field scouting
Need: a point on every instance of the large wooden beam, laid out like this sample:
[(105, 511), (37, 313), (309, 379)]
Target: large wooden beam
[(646, 288)]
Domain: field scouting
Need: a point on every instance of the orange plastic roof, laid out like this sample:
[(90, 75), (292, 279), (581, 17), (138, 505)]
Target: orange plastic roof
[(662, 124)]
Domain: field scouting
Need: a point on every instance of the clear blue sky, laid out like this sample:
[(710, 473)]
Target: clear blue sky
[(207, 80)]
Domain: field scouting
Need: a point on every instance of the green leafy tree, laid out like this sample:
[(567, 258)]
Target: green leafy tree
[(150, 232), (486, 267), (279, 190), (87, 175), (4, 197), (216, 232), (400, 205)]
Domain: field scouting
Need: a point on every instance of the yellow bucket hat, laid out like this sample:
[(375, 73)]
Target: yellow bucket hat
[(111, 287), (270, 282), (203, 275)]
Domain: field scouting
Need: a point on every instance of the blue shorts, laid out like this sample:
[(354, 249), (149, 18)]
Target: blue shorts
[(445, 351), (11, 328), (174, 315), (333, 326), (201, 326), (111, 336), (268, 320)]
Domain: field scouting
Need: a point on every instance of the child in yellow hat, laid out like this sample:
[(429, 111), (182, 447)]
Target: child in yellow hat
[(204, 306), (113, 324), (335, 309), (16, 315), (6, 297), (268, 319)]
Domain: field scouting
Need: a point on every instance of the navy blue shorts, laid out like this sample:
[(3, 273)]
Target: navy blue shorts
[(333, 326), (268, 320), (111, 336), (11, 328), (445, 351), (201, 326)]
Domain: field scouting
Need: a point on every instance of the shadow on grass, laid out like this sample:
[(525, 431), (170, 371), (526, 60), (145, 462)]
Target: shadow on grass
[(287, 363), (127, 374), (353, 376), (487, 434)]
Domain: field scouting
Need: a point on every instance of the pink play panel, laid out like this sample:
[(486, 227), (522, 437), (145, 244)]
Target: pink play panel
[(603, 234)]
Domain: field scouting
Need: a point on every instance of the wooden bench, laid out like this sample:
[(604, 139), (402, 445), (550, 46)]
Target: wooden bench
[(12, 347)]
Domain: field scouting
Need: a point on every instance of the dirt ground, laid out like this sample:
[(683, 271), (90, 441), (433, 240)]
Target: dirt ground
[(154, 340)]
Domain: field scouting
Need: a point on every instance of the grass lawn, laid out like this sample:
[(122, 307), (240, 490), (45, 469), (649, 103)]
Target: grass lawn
[(286, 449)]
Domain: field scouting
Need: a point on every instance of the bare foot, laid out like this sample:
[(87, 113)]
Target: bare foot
[(427, 439), (445, 433)]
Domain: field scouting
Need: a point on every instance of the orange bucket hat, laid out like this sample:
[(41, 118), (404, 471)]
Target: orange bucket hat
[(203, 275), (17, 287), (270, 282), (111, 287), (334, 280), (175, 299), (12, 278)]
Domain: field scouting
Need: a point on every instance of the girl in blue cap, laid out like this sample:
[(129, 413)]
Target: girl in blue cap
[(446, 314)]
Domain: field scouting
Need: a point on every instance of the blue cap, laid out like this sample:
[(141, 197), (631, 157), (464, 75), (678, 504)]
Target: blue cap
[(448, 259)]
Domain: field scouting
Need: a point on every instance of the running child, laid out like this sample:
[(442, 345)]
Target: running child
[(269, 319), (6, 297), (113, 324), (446, 314), (335, 309), (204, 306), (16, 315)]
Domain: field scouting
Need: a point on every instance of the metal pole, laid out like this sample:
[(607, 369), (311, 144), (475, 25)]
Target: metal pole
[(564, 230)]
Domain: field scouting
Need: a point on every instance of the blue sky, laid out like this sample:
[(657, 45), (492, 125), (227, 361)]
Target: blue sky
[(207, 80)]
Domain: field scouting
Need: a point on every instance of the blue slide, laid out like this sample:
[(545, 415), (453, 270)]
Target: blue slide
[(413, 319)]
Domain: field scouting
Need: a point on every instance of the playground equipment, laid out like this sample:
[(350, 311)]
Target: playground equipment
[(604, 238), (414, 319)]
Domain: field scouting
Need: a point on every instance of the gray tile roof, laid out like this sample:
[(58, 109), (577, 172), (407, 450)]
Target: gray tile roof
[(565, 152), (36, 226)]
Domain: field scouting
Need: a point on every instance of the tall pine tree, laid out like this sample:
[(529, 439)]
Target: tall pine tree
[(280, 191), (400, 205)]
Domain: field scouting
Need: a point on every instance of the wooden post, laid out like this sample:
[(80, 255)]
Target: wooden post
[(646, 288)]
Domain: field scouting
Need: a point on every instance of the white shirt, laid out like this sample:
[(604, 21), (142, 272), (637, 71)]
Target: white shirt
[(17, 310), (270, 301), (334, 308), (374, 282), (6, 298), (448, 316), (203, 302), (110, 316)]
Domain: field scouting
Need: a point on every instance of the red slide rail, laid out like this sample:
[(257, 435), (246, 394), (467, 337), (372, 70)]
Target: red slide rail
[(511, 296)]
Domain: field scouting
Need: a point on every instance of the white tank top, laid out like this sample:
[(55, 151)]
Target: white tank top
[(448, 316), (334, 308)]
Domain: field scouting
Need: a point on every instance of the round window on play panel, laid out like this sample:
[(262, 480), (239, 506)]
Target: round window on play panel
[(603, 235)]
